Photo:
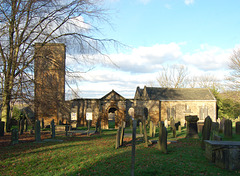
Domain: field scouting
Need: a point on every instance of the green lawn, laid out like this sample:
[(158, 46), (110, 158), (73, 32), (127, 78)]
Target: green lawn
[(96, 155)]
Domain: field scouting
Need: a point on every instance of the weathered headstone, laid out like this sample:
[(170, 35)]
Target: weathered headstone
[(151, 129), (192, 130), (52, 129), (145, 133), (122, 132), (42, 123), (21, 126), (221, 126), (238, 128), (2, 128), (118, 138), (26, 125), (206, 132), (154, 130), (37, 131), (179, 128), (215, 126), (140, 127), (14, 136), (162, 139), (200, 126), (228, 128), (166, 123), (174, 132)]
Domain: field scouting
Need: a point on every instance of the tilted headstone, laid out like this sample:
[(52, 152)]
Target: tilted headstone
[(206, 132), (162, 140), (14, 136), (37, 131), (140, 127), (192, 130), (238, 128), (228, 128), (122, 132), (21, 126), (52, 129), (2, 128), (42, 123)]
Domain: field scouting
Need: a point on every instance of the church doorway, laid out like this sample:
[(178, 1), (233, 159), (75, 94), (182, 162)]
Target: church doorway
[(111, 117)]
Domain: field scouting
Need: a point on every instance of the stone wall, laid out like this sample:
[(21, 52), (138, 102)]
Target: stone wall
[(179, 109)]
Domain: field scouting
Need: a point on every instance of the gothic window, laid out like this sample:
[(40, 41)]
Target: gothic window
[(203, 112), (171, 113)]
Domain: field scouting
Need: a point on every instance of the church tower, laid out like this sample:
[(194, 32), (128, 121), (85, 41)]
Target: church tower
[(49, 76)]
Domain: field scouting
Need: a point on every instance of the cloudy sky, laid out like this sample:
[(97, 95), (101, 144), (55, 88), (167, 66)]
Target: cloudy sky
[(200, 34)]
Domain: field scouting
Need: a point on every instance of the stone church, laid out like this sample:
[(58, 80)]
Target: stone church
[(161, 104)]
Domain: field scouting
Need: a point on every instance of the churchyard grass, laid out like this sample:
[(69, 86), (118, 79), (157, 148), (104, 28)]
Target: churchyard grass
[(96, 155)]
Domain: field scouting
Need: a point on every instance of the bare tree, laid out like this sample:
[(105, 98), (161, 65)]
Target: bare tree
[(234, 65), (24, 23), (173, 76)]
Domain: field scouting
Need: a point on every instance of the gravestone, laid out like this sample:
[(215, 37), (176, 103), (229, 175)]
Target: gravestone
[(154, 130), (221, 126), (21, 126), (179, 128), (238, 128), (145, 133), (215, 126), (42, 123), (2, 128), (118, 138), (206, 132), (37, 131), (174, 132), (14, 136), (225, 154), (228, 128), (162, 139), (166, 123), (98, 125), (140, 127), (192, 130), (26, 125), (200, 126), (133, 147), (177, 125), (122, 132), (52, 129), (151, 129)]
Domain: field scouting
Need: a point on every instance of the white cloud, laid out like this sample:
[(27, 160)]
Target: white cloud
[(208, 58), (147, 59), (188, 2)]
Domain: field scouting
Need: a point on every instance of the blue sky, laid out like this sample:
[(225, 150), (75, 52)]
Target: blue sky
[(200, 34)]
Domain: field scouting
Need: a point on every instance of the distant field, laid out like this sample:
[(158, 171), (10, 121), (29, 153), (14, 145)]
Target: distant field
[(96, 155)]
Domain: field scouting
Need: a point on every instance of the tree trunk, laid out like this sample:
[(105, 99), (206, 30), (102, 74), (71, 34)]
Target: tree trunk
[(6, 112)]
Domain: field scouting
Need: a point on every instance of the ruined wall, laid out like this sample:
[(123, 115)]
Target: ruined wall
[(180, 109)]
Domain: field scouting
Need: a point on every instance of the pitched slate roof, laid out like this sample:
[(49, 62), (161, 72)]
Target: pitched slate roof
[(156, 93)]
